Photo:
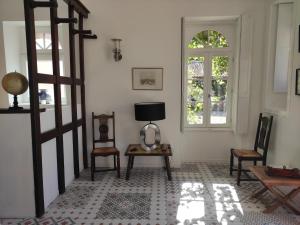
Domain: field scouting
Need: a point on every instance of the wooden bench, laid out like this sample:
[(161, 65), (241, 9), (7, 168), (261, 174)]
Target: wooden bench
[(272, 183)]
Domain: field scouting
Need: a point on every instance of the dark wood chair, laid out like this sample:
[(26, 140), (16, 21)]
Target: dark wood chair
[(104, 139), (261, 143)]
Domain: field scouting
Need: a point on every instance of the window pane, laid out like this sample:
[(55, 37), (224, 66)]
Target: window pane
[(195, 67), (195, 113), (195, 101), (220, 67), (195, 89), (218, 100), (208, 39)]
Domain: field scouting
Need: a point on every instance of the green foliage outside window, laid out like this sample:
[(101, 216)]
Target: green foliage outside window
[(208, 38), (195, 87)]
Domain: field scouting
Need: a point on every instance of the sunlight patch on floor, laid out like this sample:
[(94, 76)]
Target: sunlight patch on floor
[(191, 206), (226, 202)]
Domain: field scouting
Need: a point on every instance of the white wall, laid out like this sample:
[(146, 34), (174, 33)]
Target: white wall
[(286, 147), (16, 171), (151, 38)]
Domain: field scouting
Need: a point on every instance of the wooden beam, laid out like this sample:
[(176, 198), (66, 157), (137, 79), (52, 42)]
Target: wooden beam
[(82, 31), (86, 36), (78, 7), (65, 20), (49, 4), (35, 114), (73, 91), (82, 93), (45, 78), (57, 106)]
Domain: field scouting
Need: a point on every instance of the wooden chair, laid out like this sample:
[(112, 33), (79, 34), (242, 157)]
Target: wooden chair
[(104, 138), (261, 142)]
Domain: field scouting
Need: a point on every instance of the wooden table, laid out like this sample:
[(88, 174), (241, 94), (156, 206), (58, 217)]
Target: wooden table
[(271, 184), (163, 150)]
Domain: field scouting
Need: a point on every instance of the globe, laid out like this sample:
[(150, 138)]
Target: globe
[(15, 83)]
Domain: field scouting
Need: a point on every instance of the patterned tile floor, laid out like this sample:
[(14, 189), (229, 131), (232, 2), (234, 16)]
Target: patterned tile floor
[(200, 193)]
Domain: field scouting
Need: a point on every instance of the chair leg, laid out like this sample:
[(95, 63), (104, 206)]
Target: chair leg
[(92, 167), (254, 162), (118, 165), (231, 162), (239, 172), (115, 165)]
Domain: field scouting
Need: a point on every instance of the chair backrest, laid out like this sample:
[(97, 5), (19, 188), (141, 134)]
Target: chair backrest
[(263, 133), (103, 120)]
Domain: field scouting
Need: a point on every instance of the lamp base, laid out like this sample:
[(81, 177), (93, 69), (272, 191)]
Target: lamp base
[(152, 146)]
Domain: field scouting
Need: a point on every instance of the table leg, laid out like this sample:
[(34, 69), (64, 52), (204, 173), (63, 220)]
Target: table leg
[(132, 162), (283, 200), (168, 167), (128, 167)]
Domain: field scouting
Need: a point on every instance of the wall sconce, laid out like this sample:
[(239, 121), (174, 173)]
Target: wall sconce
[(117, 49)]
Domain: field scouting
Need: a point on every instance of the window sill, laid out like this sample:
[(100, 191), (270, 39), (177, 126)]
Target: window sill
[(208, 129)]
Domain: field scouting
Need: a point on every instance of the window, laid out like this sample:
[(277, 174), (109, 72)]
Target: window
[(207, 70), (44, 64), (279, 51), (283, 46), (43, 41)]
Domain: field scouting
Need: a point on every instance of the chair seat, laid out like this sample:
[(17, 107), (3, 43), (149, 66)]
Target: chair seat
[(243, 153), (105, 151)]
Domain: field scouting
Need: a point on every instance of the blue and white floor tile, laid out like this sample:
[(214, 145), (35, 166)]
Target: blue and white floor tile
[(200, 193)]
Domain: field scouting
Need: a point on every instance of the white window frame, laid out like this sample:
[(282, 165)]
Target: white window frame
[(191, 27)]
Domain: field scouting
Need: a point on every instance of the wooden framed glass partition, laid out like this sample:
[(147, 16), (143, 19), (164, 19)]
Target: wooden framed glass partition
[(74, 80)]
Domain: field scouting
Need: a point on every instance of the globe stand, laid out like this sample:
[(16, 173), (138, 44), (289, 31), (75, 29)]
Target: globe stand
[(143, 132), (16, 104)]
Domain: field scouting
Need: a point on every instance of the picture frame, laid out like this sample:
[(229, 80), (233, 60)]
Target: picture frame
[(147, 78), (297, 83)]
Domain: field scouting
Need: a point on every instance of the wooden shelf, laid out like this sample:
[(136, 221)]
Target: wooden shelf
[(19, 111)]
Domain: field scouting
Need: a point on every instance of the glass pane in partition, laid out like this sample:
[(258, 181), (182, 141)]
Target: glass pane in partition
[(43, 40), (66, 104), (78, 96), (46, 100), (63, 37)]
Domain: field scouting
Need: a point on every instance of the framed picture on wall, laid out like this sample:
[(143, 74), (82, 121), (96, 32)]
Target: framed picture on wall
[(147, 78), (297, 89)]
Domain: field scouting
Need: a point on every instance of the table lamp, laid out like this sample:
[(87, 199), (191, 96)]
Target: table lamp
[(149, 111)]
